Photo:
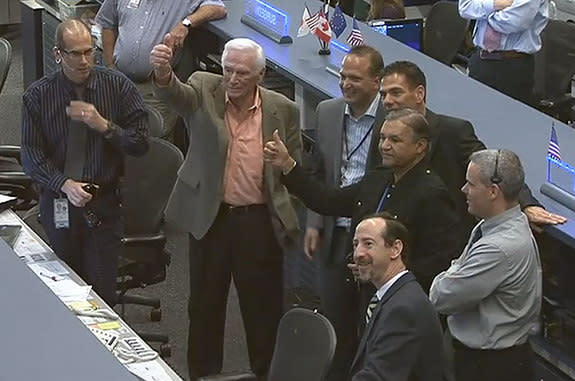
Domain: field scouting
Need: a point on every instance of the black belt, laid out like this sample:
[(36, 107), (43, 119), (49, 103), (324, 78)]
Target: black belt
[(240, 209), (459, 345), (498, 55)]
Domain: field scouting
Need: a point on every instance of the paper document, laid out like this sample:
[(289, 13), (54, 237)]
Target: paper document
[(54, 267), (67, 290), (27, 245), (149, 371)]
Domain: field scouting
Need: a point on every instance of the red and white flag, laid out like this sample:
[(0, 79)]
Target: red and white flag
[(304, 27), (323, 30)]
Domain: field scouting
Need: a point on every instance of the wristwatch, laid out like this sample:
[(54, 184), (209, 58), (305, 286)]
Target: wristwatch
[(187, 23)]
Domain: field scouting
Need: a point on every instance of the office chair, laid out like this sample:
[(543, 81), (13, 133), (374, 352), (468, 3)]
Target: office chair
[(13, 180), (305, 344), (155, 122), (5, 60), (147, 184), (554, 68), (444, 32)]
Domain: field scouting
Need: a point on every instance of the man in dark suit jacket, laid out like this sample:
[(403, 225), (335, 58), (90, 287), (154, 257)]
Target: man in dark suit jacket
[(402, 339), (405, 188), (453, 141), (347, 133), (237, 212)]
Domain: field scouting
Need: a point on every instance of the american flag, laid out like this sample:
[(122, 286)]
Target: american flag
[(355, 37), (553, 151), (304, 28), (313, 22)]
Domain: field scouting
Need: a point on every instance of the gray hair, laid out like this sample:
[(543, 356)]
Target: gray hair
[(245, 44), (412, 119), (508, 174)]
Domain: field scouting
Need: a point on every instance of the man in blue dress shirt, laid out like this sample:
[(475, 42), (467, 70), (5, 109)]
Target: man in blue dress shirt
[(507, 35), (492, 292)]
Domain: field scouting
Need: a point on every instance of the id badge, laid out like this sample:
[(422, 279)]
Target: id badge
[(134, 4), (61, 213)]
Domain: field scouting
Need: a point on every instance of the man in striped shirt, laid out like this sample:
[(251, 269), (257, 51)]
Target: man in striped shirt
[(77, 125)]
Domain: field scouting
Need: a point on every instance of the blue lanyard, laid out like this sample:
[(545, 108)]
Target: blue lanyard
[(382, 199)]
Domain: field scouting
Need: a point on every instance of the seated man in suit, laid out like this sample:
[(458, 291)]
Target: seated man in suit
[(453, 141), (402, 338), (406, 188)]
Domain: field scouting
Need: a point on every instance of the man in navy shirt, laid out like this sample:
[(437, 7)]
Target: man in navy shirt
[(77, 125)]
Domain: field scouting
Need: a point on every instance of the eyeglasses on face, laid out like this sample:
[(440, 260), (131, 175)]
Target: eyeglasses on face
[(77, 55)]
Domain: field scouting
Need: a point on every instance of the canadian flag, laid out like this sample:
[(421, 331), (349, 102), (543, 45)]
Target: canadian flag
[(323, 31)]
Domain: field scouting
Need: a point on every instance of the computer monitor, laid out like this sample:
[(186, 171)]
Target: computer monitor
[(408, 31)]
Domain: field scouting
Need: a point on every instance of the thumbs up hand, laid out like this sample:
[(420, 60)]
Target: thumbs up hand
[(276, 154), (169, 41), (160, 59)]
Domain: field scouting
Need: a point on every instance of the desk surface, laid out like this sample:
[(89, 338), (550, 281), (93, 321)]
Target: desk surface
[(499, 121), (41, 339)]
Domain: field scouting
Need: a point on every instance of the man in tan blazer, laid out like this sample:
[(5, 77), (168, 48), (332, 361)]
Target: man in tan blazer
[(238, 214)]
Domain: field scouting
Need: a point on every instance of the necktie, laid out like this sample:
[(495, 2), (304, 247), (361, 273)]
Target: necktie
[(76, 147), (491, 39), (370, 308), (476, 235)]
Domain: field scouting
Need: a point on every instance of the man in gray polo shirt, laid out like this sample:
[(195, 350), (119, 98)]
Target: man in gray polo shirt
[(131, 28), (492, 292)]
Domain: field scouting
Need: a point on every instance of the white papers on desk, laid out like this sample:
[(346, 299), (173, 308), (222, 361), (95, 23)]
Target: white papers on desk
[(27, 245), (50, 267), (6, 199), (149, 371), (67, 290)]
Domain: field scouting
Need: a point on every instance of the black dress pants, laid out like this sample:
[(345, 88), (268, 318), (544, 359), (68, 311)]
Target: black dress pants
[(339, 300), (92, 252), (509, 364), (511, 76), (240, 244)]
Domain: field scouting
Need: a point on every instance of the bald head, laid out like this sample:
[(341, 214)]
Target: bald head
[(70, 27)]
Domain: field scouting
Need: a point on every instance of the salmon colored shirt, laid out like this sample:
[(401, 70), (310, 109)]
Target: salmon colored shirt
[(244, 173)]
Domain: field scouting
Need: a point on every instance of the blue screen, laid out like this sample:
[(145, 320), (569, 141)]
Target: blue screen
[(408, 33)]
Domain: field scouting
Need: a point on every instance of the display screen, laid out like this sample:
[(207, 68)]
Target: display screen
[(409, 32)]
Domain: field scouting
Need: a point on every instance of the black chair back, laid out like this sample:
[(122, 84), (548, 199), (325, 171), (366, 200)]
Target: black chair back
[(148, 183), (5, 60), (305, 345), (155, 122), (555, 62), (444, 32)]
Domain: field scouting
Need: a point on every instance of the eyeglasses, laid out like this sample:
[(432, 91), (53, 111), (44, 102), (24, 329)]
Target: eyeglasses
[(74, 54)]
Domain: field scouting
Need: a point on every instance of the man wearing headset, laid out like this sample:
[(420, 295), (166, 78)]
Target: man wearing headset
[(492, 292), (75, 133)]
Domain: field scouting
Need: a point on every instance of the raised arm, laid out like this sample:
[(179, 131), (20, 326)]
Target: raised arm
[(184, 98), (314, 194)]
